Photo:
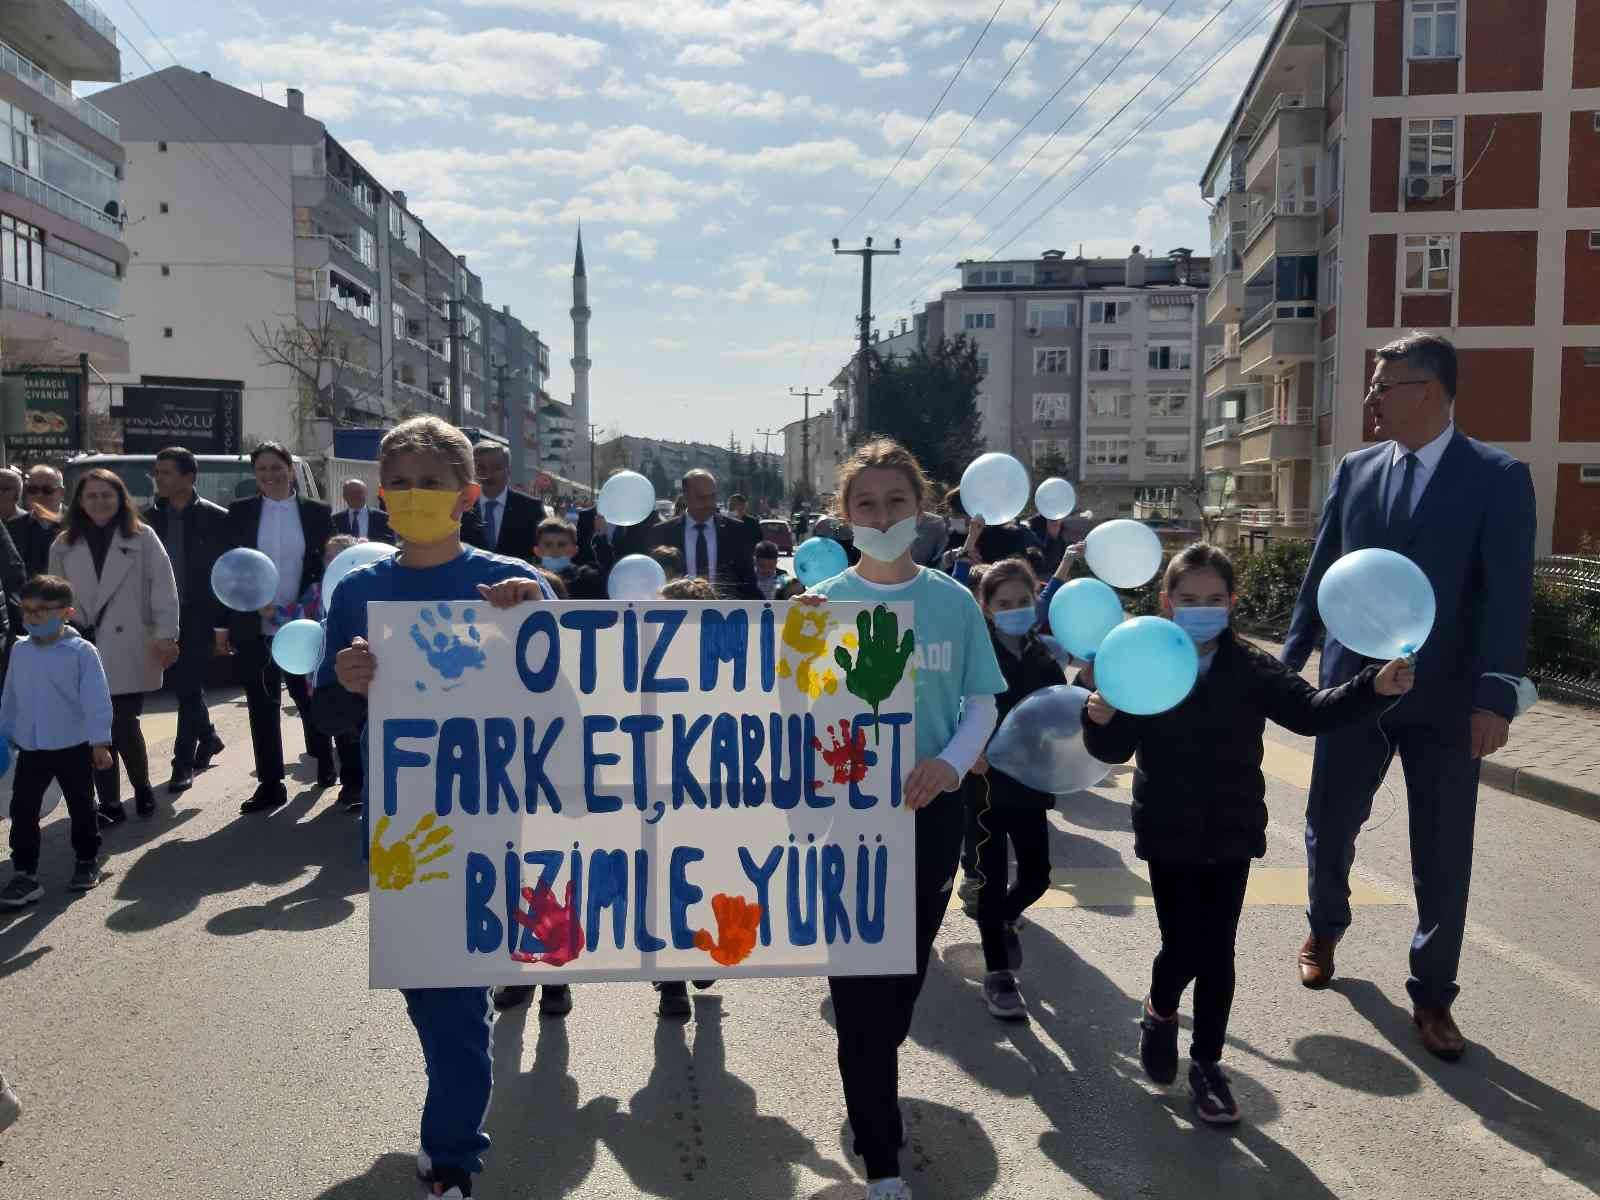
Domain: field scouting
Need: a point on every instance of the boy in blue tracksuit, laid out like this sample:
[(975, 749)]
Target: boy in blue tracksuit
[(425, 467)]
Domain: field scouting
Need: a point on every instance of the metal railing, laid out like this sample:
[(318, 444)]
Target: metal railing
[(410, 291), (22, 298), (1291, 518), (1564, 635), (1282, 101), (57, 201), (1267, 418), (92, 14), (1218, 434), (356, 199), (47, 85), (1283, 310)]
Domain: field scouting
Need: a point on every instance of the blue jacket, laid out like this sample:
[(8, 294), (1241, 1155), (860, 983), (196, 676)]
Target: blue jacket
[(1472, 533)]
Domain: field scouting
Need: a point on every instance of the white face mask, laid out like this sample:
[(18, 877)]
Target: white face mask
[(886, 545), (1527, 693)]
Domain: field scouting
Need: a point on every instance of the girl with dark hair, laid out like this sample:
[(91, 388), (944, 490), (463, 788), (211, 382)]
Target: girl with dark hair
[(1199, 806), (127, 605)]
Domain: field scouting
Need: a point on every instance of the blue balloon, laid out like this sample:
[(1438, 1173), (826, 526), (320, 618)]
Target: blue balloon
[(994, 487), (1378, 603), (626, 498), (297, 647), (348, 560), (636, 577), (1146, 666), (1126, 554), (1040, 743), (245, 580), (819, 558), (1082, 612), (1055, 499)]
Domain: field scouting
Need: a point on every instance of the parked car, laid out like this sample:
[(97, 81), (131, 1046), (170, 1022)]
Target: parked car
[(223, 478), (778, 533)]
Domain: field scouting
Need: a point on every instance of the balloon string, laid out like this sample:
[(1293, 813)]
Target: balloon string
[(977, 849), (1383, 772)]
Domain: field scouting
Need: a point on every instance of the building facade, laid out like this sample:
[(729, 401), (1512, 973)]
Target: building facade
[(266, 253), (1409, 164), (666, 462), (63, 236), (811, 442)]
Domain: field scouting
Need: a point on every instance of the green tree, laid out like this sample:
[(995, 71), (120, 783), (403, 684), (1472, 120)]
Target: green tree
[(1051, 464), (928, 402)]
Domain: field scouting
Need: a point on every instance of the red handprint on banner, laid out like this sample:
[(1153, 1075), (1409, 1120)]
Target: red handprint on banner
[(848, 758), (555, 925)]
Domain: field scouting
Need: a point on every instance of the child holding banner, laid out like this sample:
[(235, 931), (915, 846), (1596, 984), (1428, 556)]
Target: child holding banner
[(425, 467), (882, 493)]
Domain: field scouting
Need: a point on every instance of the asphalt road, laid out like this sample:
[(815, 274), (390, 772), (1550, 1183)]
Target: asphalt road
[(200, 1026)]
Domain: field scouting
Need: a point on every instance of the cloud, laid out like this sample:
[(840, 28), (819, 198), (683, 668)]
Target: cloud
[(530, 128), (700, 55), (633, 244), (664, 343), (889, 69), (755, 288), (712, 229), (687, 291)]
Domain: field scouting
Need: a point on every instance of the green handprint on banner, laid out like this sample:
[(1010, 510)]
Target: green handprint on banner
[(880, 660)]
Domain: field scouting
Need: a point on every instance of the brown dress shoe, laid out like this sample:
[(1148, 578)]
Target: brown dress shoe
[(1316, 962), (1440, 1037)]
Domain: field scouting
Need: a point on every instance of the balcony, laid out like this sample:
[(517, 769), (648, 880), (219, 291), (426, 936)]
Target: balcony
[(1225, 300), (1292, 122), (1221, 449), (61, 203), (313, 189), (411, 292), (1278, 335), (1279, 230), (1277, 434), (43, 327), (75, 37), (1223, 374), (1274, 518), (323, 249), (13, 62), (413, 394)]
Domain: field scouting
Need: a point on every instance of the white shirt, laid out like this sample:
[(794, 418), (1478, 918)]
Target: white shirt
[(1427, 463), (280, 537), (691, 535), (359, 521)]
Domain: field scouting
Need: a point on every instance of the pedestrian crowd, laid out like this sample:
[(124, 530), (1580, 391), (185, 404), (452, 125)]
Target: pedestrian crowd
[(110, 599)]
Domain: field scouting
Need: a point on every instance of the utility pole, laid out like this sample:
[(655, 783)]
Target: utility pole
[(805, 440), (866, 253)]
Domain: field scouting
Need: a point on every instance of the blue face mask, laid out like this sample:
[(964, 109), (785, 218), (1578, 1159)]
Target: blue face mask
[(1014, 621), (555, 562), (1202, 624), (44, 629)]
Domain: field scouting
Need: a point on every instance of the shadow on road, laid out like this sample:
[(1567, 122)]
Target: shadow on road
[(1552, 1126), (390, 1175)]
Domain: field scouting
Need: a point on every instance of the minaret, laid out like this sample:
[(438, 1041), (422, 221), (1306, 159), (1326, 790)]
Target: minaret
[(580, 367)]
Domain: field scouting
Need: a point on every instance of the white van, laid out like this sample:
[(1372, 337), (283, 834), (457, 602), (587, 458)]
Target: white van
[(223, 478)]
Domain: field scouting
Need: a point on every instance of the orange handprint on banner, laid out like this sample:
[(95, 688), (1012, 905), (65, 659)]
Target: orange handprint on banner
[(738, 921)]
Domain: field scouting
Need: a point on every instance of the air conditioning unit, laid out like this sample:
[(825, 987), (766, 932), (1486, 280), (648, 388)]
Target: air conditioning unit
[(1426, 187)]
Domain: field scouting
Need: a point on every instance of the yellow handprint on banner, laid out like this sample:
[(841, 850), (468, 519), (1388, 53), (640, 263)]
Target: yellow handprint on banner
[(805, 631), (394, 868)]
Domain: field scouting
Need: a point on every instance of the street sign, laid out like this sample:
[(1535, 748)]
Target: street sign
[(42, 413), (201, 420)]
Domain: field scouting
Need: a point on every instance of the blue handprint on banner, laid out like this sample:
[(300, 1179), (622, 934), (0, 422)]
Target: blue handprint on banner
[(442, 646)]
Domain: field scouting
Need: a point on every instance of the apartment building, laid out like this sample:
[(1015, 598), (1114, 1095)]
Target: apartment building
[(1429, 164), (63, 251), (519, 370), (812, 451), (1091, 366), (267, 254)]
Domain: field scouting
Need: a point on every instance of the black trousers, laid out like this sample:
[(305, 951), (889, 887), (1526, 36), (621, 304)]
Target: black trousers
[(127, 747), (263, 689), (1198, 907), (73, 769), (872, 1013), (352, 767), (1028, 831), (187, 679)]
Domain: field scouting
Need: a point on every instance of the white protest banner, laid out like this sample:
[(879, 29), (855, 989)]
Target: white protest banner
[(663, 790)]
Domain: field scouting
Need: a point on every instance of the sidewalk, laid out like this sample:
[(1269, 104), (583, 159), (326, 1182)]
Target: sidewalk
[(1553, 755)]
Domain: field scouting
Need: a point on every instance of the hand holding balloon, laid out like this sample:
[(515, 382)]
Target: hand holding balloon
[(1397, 678), (1099, 711)]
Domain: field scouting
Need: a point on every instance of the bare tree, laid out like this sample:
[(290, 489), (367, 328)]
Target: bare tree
[(329, 364), (1196, 492)]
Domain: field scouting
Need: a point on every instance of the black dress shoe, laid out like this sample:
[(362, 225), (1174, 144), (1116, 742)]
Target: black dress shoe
[(267, 797), (207, 752), (144, 802), (350, 798), (327, 772), (180, 782), (111, 812)]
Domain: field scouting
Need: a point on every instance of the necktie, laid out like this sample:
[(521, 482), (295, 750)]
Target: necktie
[(491, 520), (361, 523), (701, 554), (1404, 501)]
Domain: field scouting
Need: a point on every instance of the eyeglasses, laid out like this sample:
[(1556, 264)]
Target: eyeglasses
[(37, 489), (1384, 388)]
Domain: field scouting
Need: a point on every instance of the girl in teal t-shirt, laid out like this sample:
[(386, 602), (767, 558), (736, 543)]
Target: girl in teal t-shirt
[(881, 493)]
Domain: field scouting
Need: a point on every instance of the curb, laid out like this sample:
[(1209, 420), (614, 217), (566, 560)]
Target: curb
[(1533, 785)]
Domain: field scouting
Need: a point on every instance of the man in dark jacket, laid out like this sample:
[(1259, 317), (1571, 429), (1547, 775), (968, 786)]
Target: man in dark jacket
[(359, 519), (504, 520), (40, 519), (194, 532), (714, 546)]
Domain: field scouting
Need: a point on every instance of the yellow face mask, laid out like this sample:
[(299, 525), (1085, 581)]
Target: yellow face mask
[(423, 517)]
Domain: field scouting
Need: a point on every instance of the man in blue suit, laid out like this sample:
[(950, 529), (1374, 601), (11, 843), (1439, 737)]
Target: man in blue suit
[(1464, 513)]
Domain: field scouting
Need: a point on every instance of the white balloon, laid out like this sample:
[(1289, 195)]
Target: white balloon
[(1055, 499), (1126, 554), (348, 560), (995, 487), (636, 577), (626, 498)]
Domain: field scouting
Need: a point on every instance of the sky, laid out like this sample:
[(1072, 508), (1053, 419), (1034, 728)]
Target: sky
[(712, 148)]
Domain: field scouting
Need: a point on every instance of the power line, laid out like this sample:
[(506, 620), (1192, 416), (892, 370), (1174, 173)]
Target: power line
[(936, 104), (906, 199)]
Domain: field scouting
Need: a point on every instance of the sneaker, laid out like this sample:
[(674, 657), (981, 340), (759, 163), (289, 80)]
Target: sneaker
[(86, 876), (555, 1000), (22, 890), (510, 996), (1013, 946), (1213, 1098), (446, 1182), (144, 802), (1158, 1044), (111, 812), (888, 1189), (10, 1106), (674, 1003), (204, 755), (1001, 995)]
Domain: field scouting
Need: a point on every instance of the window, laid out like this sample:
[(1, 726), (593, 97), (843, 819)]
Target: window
[(398, 316), (1330, 278), (1106, 452), (164, 207), (1594, 239), (1052, 362), (1431, 146), (1043, 314), (1171, 356), (1169, 404), (1110, 356), (1104, 402), (1433, 28), (1428, 261), (1330, 385), (22, 252), (165, 270), (161, 147), (1168, 313), (1334, 180), (1052, 409), (972, 319), (367, 247), (1166, 452), (990, 276), (466, 395), (396, 223), (166, 332), (983, 364), (19, 145), (1109, 312)]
